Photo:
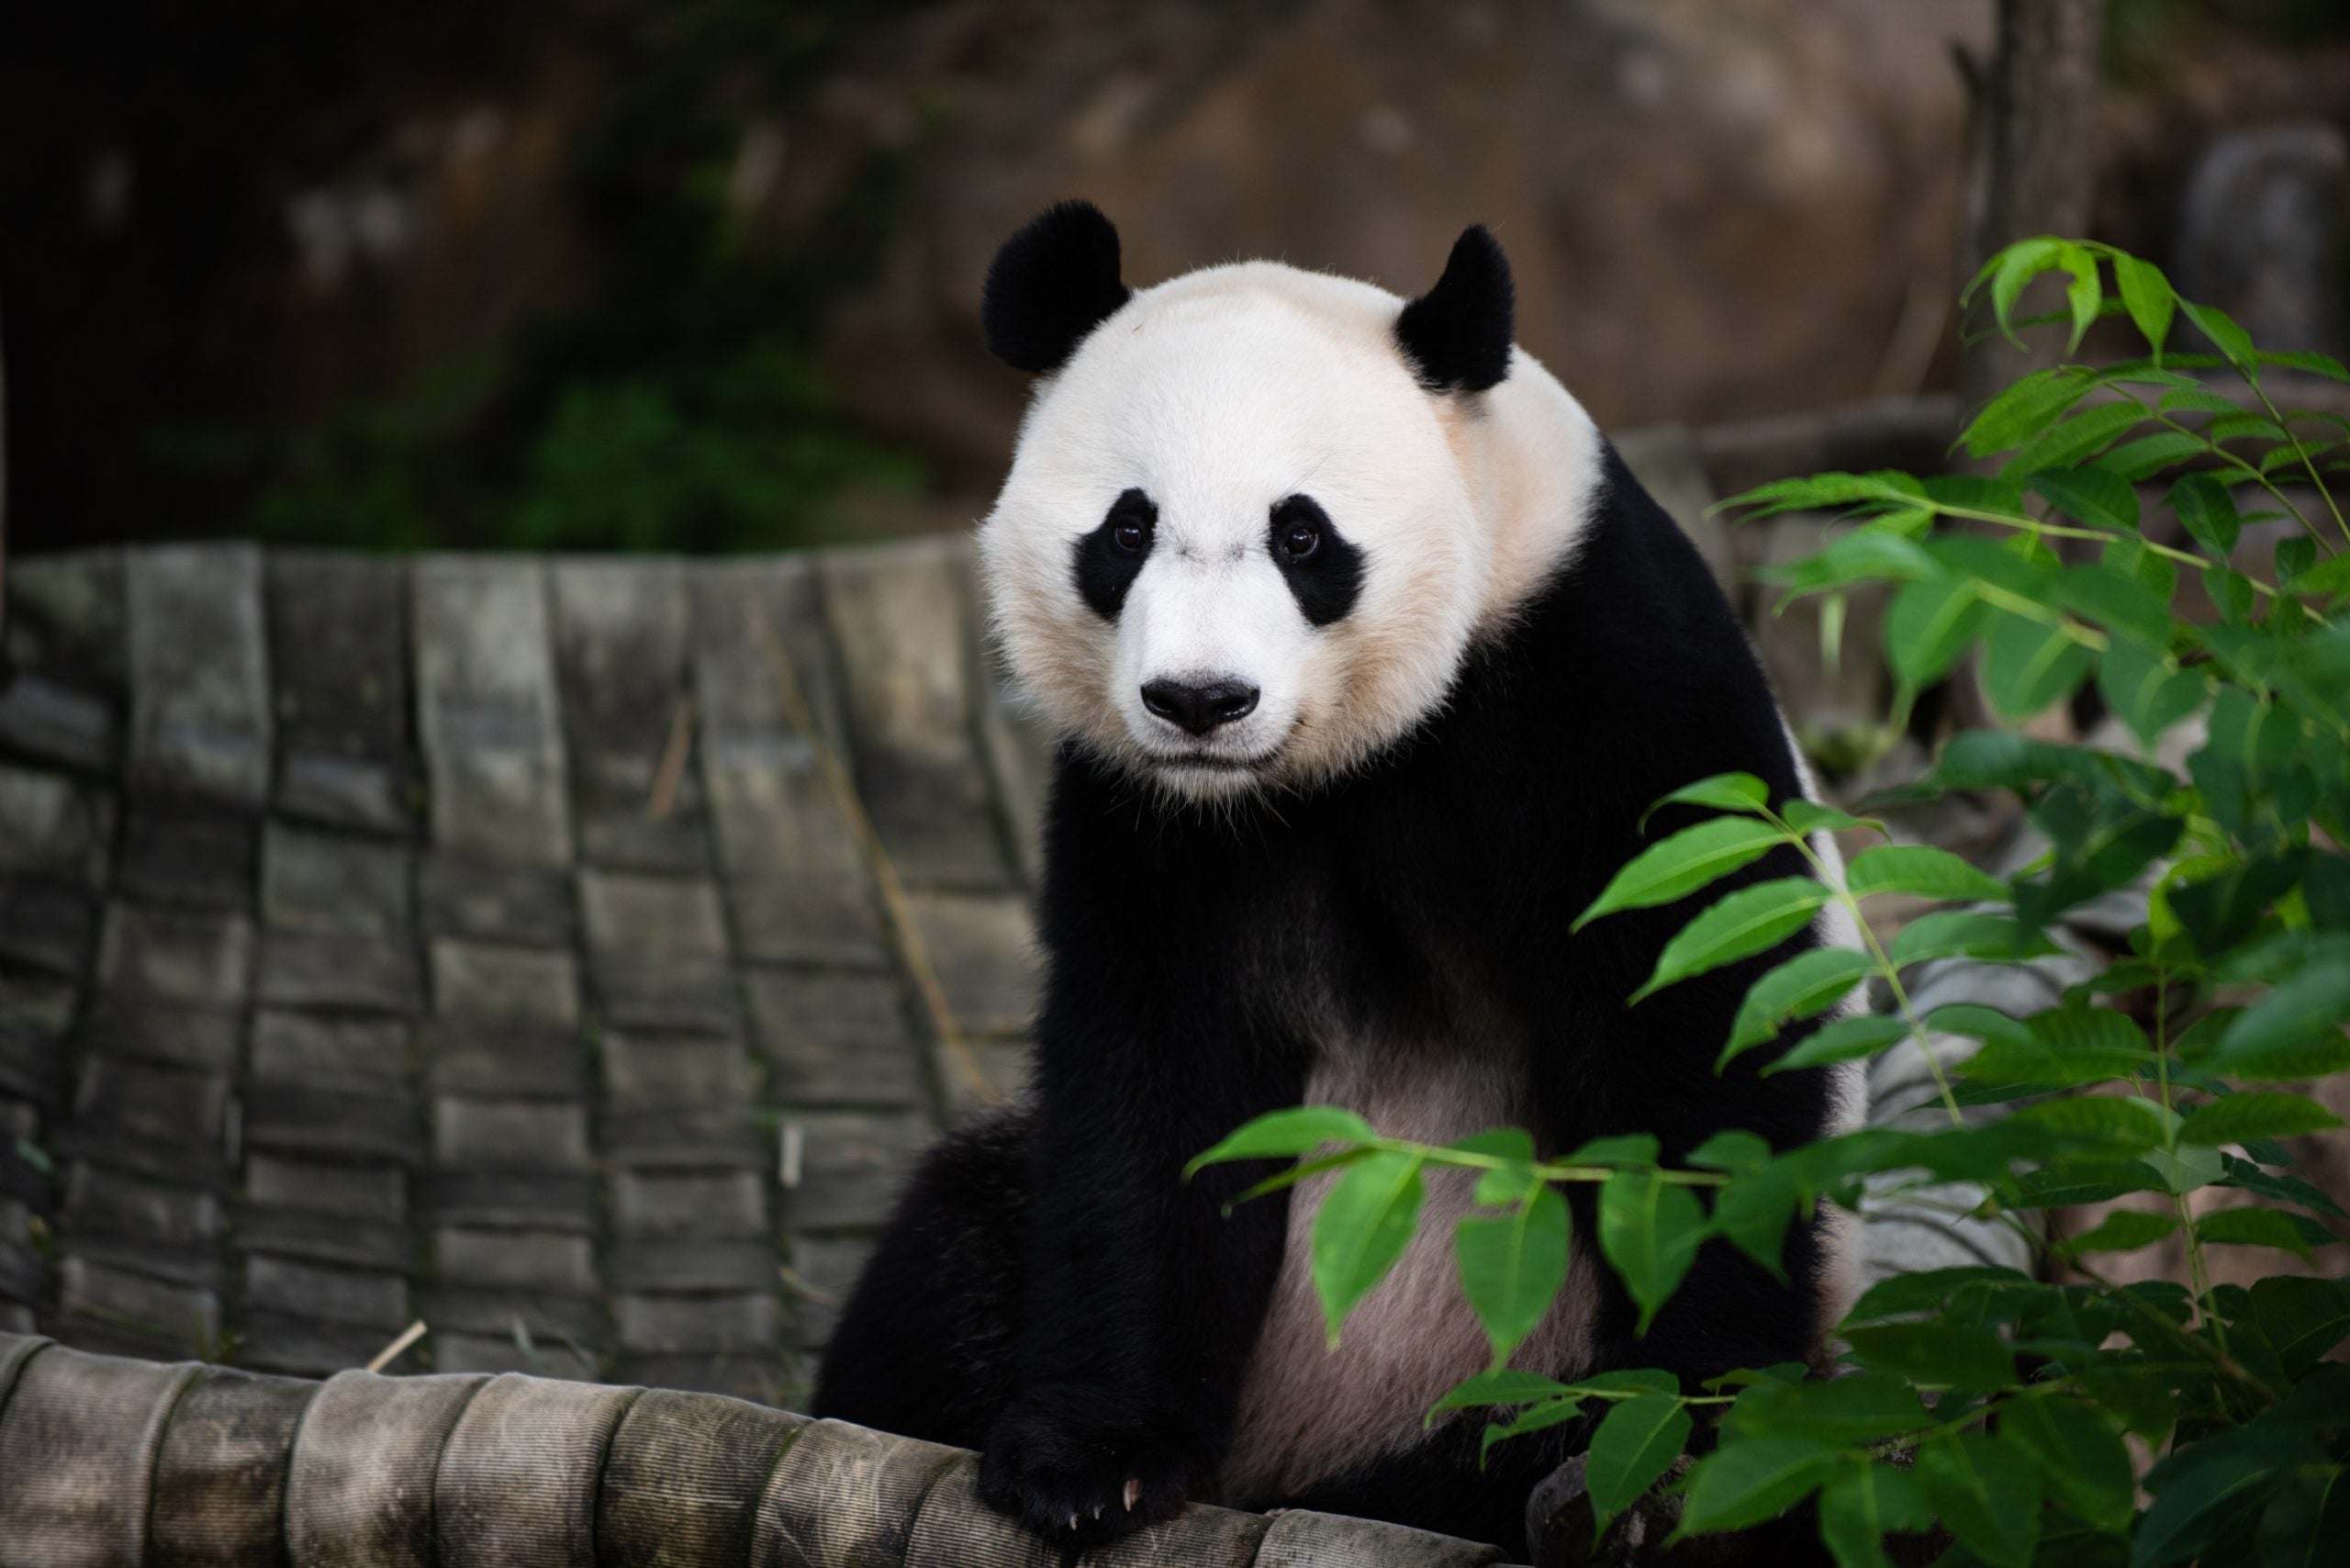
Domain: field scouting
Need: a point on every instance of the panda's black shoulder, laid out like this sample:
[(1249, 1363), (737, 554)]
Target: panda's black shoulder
[(1635, 574), (1631, 592), (1633, 658)]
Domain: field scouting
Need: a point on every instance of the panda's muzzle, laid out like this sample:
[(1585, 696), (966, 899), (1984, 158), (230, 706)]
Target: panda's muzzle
[(1200, 708)]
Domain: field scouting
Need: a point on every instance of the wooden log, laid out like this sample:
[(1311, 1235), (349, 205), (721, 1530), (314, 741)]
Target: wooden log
[(109, 1462)]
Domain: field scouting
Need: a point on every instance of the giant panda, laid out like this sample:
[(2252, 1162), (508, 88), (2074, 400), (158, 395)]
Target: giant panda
[(1367, 655)]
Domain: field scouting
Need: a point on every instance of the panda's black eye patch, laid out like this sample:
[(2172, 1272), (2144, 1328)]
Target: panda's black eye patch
[(1323, 569), (1110, 558)]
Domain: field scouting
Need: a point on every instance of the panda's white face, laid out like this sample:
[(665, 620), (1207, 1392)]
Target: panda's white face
[(1237, 548)]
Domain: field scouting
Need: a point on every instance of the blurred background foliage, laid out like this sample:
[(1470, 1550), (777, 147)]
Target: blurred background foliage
[(701, 274)]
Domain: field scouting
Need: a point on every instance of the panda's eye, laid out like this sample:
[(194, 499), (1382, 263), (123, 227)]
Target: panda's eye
[(1299, 541), (1130, 536)]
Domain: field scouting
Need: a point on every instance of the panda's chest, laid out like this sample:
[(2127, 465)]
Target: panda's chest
[(1308, 1412)]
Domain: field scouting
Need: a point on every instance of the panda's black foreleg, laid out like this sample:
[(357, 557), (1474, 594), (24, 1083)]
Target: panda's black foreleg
[(923, 1345), (1142, 1299)]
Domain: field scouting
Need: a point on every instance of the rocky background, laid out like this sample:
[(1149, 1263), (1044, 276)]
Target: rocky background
[(614, 273)]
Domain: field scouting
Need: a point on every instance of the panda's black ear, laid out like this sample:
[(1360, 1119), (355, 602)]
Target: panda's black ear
[(1050, 285), (1457, 335)]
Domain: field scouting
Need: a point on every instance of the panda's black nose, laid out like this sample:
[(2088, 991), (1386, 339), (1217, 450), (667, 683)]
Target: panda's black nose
[(1199, 706)]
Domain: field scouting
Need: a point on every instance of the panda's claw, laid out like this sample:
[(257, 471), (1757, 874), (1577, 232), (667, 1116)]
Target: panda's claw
[(1134, 1491)]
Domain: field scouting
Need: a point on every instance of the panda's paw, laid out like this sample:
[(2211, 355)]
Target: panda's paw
[(1077, 1483)]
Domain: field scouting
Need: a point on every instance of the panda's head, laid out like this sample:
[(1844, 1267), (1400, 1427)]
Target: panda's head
[(1239, 545)]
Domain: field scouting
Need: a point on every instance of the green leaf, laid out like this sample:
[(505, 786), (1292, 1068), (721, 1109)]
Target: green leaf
[(1513, 1266), (2136, 462), (2146, 293), (2079, 1030), (1987, 1492), (1507, 1185), (2016, 562), (1869, 554), (1734, 1150), (1505, 1385), (1501, 1143), (1650, 1229), (2143, 1402), (2310, 1004), (2230, 592), (1630, 1150), (2220, 912), (2200, 1489), (1550, 1413), (2061, 446), (2226, 336), (2080, 1455), (1857, 1408), (2238, 427), (2083, 294), (1935, 1352), (2113, 1120), (2009, 271), (2185, 1168), (2121, 603), (2263, 1115), (1723, 792), (2028, 407), (1686, 861), (2198, 400), (1362, 1228), (1977, 492), (2302, 1318), (2262, 1228), (2150, 691), (1810, 817), (2285, 1189), (2305, 1524), (2029, 664), (1860, 1503), (1803, 985), (1898, 1295), (2327, 577), (1281, 1133), (1979, 1023), (2086, 1181), (1632, 1379), (2300, 359), (1749, 1479), (2065, 1047), (1829, 492), (2123, 1230), (1752, 1212), (2207, 511), (1758, 1377), (1921, 870), (1846, 1039), (1929, 626), (1746, 922), (2090, 495), (1958, 932), (1304, 1170), (1634, 1443)]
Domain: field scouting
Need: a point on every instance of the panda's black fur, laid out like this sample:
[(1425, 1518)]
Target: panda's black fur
[(1051, 1291)]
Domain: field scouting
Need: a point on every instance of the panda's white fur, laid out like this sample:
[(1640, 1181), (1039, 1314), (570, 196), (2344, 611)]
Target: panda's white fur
[(1219, 393)]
